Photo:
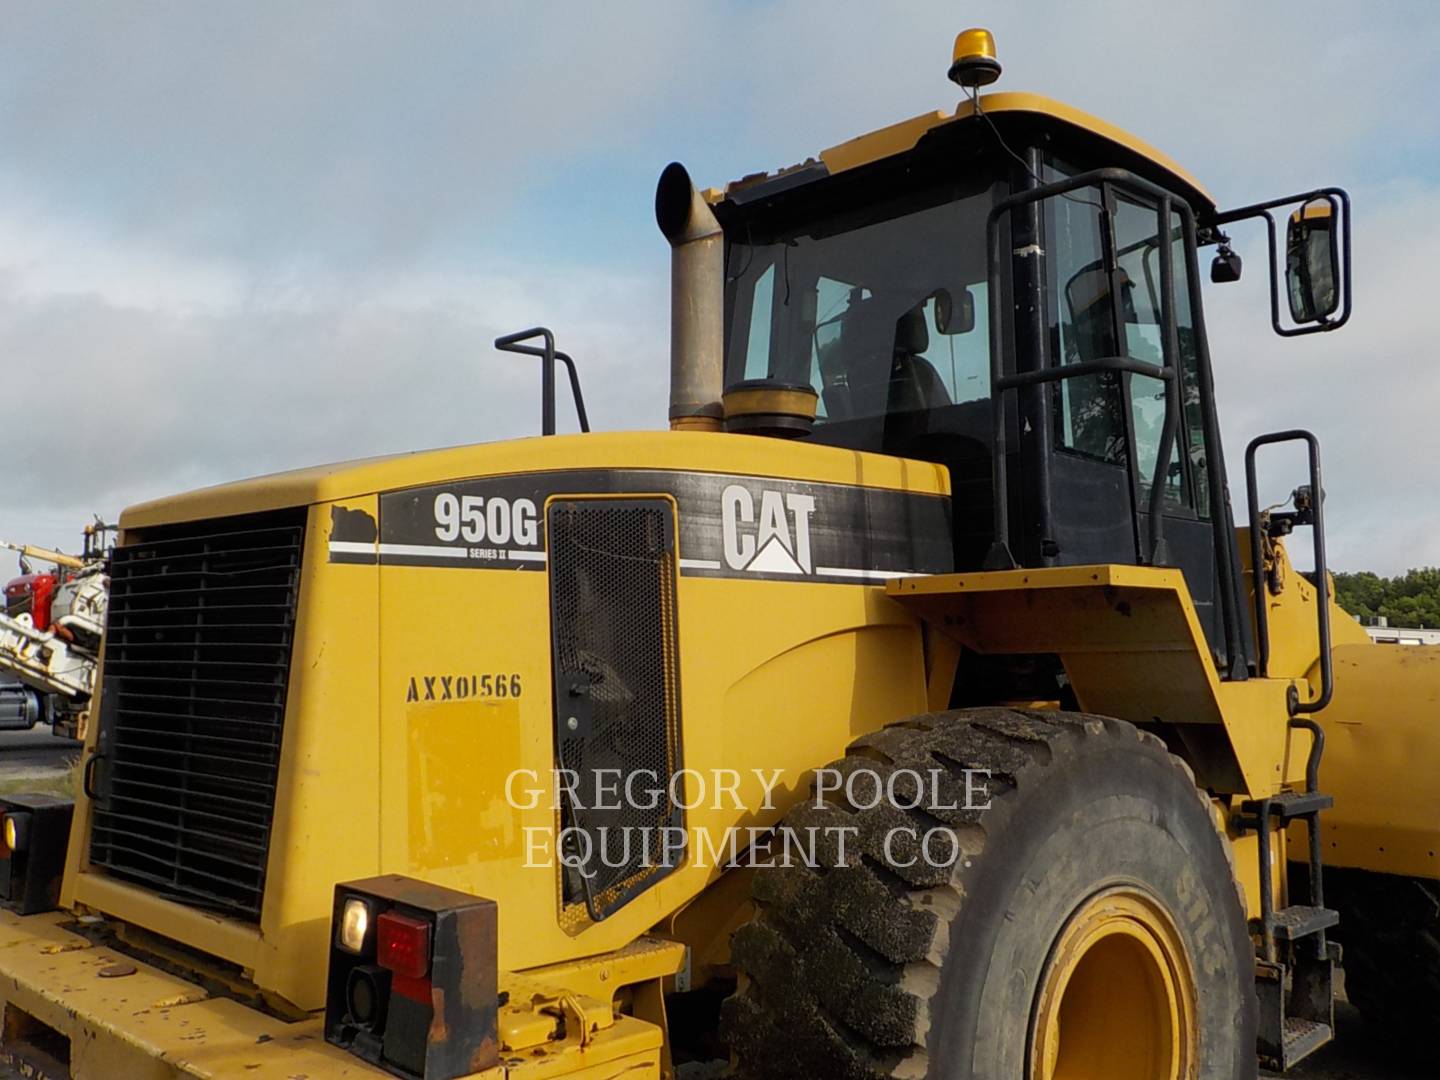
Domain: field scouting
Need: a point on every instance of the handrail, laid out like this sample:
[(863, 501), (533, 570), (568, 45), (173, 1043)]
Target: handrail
[(548, 355), (1089, 367), (1000, 556), (1317, 752), (1322, 572)]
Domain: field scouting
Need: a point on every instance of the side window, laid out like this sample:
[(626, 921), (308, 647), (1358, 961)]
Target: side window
[(1137, 252), (832, 303), (757, 352), (962, 358), (1088, 415), (846, 303), (876, 354), (1192, 435), (1084, 327)]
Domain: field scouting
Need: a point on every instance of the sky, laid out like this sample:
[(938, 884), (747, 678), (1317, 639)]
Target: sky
[(241, 238)]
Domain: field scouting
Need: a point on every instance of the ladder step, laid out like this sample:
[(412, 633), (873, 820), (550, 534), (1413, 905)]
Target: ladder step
[(1289, 805), (1294, 804), (1303, 1038), (1293, 923)]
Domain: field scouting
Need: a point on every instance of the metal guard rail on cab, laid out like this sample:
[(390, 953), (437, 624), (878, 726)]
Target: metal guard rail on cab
[(548, 355), (1322, 574), (1000, 556)]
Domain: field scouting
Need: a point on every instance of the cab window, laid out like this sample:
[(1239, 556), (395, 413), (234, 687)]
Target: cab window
[(1082, 326), (1096, 315), (881, 311)]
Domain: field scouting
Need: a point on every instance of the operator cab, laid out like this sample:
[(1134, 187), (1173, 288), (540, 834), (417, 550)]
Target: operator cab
[(867, 276), (870, 288)]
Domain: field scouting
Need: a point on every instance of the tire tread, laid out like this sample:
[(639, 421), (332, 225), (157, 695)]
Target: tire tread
[(839, 965)]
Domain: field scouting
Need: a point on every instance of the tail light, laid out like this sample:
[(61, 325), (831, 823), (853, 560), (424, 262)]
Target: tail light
[(413, 978), (34, 833), (403, 945)]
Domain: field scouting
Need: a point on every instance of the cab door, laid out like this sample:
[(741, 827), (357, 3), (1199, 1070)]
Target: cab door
[(1104, 298)]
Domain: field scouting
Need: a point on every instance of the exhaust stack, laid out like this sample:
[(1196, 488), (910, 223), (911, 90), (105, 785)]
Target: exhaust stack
[(697, 302)]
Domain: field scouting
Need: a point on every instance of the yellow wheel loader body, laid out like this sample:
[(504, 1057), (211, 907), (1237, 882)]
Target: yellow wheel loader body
[(425, 747)]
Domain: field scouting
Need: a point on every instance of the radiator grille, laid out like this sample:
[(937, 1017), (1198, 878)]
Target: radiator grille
[(197, 657), (612, 597)]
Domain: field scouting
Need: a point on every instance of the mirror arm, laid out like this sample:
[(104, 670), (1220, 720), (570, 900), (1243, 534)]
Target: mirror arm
[(1263, 210)]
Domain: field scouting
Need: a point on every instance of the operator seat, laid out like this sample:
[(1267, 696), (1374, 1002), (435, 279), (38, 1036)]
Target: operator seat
[(915, 385)]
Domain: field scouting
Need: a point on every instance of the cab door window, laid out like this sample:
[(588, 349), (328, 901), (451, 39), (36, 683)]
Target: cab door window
[(1138, 240), (1103, 308), (1088, 410), (1137, 253)]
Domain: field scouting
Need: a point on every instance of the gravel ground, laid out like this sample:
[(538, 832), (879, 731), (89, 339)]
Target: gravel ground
[(33, 750), (34, 760), (1355, 1056)]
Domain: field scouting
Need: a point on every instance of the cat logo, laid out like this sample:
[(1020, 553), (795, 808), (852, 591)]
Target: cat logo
[(776, 541)]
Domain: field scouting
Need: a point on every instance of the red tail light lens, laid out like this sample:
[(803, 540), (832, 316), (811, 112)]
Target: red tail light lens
[(403, 944)]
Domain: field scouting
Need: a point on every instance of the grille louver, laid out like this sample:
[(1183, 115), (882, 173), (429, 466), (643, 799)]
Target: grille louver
[(197, 658)]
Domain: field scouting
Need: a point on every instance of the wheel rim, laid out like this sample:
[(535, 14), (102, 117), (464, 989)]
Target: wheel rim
[(1117, 999)]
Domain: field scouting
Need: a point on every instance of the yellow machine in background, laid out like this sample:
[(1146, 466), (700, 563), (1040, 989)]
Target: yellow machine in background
[(913, 708)]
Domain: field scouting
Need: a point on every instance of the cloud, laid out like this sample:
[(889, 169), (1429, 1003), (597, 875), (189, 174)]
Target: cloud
[(340, 135), (1369, 391), (111, 401), (345, 133), (1250, 96), (237, 239)]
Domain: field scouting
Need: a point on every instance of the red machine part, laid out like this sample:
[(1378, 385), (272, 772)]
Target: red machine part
[(32, 593)]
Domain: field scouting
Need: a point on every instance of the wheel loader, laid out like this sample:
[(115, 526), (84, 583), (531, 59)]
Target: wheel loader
[(913, 707)]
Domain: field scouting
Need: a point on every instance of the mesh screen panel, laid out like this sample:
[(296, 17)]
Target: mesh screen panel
[(617, 693)]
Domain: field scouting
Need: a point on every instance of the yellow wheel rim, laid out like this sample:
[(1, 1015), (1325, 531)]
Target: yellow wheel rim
[(1117, 999)]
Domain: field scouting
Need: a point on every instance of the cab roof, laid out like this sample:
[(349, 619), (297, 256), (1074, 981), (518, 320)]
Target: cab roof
[(899, 138)]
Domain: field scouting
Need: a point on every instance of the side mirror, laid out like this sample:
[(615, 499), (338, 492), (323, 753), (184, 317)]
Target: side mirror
[(952, 315), (1312, 261), (1315, 259)]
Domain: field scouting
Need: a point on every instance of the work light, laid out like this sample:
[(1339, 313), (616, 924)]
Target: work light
[(354, 925), (16, 828), (36, 832)]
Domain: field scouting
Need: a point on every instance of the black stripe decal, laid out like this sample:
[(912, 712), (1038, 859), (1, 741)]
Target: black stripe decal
[(731, 526)]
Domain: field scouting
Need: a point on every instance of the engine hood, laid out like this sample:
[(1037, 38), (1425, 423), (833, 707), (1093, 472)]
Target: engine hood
[(652, 449)]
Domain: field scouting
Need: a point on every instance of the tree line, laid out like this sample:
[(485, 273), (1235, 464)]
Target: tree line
[(1411, 599)]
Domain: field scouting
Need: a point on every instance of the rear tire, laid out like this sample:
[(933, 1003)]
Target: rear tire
[(1094, 889)]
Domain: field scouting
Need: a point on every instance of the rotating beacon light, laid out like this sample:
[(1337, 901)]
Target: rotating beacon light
[(974, 63)]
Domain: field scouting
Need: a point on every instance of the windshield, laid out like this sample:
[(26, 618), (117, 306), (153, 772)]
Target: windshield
[(880, 309)]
